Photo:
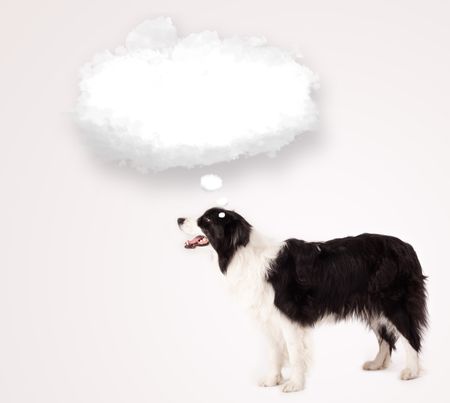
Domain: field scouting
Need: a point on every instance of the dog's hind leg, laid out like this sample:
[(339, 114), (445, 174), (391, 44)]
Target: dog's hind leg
[(387, 336), (410, 316), (382, 359), (410, 334), (412, 368)]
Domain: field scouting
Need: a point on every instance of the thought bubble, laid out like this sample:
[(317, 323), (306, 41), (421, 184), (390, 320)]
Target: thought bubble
[(211, 182), (164, 100), (222, 202)]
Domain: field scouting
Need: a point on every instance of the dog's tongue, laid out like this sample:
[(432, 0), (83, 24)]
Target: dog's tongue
[(199, 240)]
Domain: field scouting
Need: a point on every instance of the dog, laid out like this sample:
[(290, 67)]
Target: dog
[(293, 285)]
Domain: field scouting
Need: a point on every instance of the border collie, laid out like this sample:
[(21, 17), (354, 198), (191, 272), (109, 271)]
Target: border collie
[(290, 286)]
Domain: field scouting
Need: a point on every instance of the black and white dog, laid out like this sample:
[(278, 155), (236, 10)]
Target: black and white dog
[(292, 285)]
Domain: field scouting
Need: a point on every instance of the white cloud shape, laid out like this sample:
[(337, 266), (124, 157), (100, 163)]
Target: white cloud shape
[(164, 101), (211, 182)]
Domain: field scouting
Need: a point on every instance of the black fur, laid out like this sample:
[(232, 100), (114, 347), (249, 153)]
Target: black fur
[(226, 234), (383, 333), (368, 276)]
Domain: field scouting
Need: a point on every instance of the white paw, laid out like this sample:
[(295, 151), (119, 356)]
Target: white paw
[(292, 386), (372, 366), (409, 373), (272, 380)]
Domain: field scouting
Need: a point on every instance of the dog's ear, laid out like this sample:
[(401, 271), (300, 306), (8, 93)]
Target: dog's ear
[(241, 235), (216, 235)]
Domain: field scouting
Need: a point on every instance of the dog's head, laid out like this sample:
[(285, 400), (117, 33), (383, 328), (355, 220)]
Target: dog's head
[(224, 230)]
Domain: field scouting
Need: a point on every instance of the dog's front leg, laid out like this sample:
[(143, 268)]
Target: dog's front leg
[(295, 339), (277, 352)]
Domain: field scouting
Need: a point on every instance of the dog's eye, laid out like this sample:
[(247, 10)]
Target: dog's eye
[(221, 214)]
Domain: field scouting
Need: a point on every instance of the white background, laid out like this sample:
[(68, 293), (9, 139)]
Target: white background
[(99, 302)]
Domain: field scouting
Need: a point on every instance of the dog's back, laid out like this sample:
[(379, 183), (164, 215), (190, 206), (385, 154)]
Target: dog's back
[(369, 276)]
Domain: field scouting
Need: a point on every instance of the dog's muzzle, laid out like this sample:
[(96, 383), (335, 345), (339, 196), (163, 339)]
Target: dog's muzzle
[(189, 226)]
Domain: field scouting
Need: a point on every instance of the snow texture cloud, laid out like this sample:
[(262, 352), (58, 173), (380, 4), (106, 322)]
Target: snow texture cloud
[(164, 100)]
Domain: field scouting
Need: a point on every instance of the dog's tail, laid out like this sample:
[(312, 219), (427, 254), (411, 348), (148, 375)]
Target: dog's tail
[(412, 320)]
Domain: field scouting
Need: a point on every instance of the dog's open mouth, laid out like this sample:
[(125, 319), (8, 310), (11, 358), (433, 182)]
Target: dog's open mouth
[(199, 240)]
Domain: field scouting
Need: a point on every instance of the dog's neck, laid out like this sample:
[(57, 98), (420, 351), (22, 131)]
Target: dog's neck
[(247, 275), (257, 250)]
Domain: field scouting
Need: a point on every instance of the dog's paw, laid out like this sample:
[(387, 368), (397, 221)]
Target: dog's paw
[(272, 380), (409, 373), (373, 366), (292, 386)]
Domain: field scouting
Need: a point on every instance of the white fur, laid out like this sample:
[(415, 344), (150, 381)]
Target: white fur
[(412, 368), (383, 357), (190, 227), (246, 279)]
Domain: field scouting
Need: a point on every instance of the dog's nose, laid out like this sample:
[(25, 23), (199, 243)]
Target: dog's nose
[(180, 221)]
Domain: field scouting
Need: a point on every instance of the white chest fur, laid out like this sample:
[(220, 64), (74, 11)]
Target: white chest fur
[(247, 272)]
